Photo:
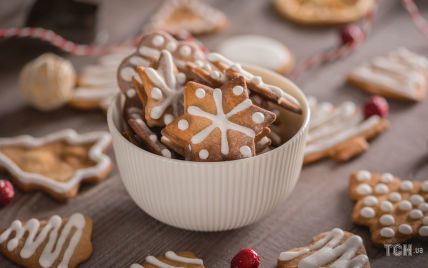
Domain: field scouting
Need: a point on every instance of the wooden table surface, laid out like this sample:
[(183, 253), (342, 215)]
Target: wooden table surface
[(123, 234)]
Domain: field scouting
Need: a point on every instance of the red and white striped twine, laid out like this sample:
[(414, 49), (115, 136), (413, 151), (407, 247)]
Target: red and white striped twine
[(416, 16)]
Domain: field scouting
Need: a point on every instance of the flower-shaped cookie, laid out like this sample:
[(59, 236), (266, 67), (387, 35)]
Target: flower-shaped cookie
[(57, 163), (218, 124), (394, 210), (163, 89), (172, 259)]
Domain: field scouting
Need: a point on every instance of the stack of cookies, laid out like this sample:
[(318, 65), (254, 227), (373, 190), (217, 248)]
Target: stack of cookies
[(183, 103)]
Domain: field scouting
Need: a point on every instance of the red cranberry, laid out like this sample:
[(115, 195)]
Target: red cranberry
[(6, 192), (376, 105), (246, 258), (351, 34)]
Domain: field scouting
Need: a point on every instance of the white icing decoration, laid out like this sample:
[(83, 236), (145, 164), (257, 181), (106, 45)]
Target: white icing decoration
[(101, 139), (156, 93), (364, 175), (406, 185), (367, 212), (258, 117), (395, 197), (423, 231), (220, 121), (200, 93), (386, 206), (127, 73), (167, 153), (183, 124), (156, 262), (381, 188), (423, 207), (171, 46), (416, 214), (52, 231), (416, 199), (158, 40), (150, 53), (328, 250), (370, 201), (387, 220), (168, 118), (387, 232), (405, 229), (364, 189), (172, 256), (387, 178), (203, 154), (139, 61), (185, 51), (153, 138), (237, 90), (425, 186), (131, 93), (136, 265), (245, 151), (425, 220), (405, 205), (181, 78)]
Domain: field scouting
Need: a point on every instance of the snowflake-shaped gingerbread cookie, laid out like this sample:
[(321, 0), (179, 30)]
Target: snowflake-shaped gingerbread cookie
[(218, 123), (394, 210)]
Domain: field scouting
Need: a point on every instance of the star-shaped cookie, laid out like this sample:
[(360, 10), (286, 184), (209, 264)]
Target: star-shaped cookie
[(394, 210), (218, 123), (57, 163)]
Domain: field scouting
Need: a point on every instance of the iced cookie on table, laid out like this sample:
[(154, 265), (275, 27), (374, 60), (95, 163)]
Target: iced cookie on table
[(218, 123), (335, 248), (172, 259), (258, 50), (57, 163), (193, 16), (324, 12), (395, 210), (57, 242), (340, 132), (96, 83), (401, 75)]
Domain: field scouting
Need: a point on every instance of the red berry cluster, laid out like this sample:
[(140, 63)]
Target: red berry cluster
[(246, 258)]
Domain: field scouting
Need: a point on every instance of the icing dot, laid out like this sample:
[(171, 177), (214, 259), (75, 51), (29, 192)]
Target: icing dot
[(153, 138), (423, 231), (406, 185), (127, 73), (405, 205), (364, 175), (139, 121), (416, 199), (203, 154), (386, 206), (425, 220), (395, 197), (166, 153), (258, 117), (168, 118), (423, 207), (139, 61), (183, 124), (215, 74), (370, 201), (257, 80), (156, 93), (158, 40), (185, 51), (405, 229), (156, 112), (425, 186), (367, 212), (387, 178), (381, 188), (237, 90), (364, 189), (246, 151), (416, 214), (171, 46), (387, 220), (131, 93), (181, 78), (200, 93), (387, 232)]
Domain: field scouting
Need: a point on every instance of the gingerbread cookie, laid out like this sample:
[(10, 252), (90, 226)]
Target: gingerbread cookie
[(96, 84), (394, 210), (148, 52), (336, 248), (172, 259), (57, 242), (218, 124), (258, 50), (193, 16), (57, 163), (324, 12), (401, 75), (339, 132)]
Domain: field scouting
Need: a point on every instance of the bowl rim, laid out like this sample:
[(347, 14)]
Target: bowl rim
[(306, 114)]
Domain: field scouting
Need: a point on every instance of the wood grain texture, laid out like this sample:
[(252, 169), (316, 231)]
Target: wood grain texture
[(123, 234)]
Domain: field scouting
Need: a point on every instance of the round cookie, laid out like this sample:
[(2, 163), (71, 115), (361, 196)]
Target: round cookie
[(258, 50), (323, 12)]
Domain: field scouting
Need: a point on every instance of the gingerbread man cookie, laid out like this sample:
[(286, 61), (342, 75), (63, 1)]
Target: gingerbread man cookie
[(57, 242), (172, 259), (339, 132), (401, 74), (336, 248), (57, 163), (394, 210), (218, 123), (193, 16), (323, 12)]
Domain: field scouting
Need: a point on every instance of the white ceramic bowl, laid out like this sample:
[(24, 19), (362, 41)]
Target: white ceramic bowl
[(213, 196)]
